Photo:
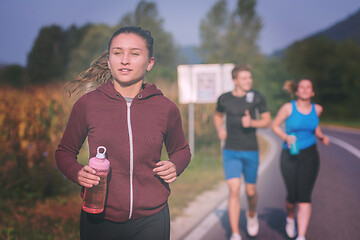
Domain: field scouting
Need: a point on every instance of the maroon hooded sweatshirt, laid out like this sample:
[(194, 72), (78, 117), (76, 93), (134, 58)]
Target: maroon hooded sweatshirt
[(133, 136)]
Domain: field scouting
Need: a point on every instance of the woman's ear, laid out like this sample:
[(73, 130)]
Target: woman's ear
[(151, 64)]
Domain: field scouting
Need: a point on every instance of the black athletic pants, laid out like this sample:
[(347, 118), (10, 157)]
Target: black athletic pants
[(155, 227), (299, 173)]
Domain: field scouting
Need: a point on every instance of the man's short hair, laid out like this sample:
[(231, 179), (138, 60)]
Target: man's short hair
[(239, 68)]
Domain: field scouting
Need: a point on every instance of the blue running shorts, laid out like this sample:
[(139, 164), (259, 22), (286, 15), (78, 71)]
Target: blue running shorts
[(237, 162)]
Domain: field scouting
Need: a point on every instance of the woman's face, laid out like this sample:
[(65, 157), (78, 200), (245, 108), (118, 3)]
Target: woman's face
[(305, 90), (129, 59)]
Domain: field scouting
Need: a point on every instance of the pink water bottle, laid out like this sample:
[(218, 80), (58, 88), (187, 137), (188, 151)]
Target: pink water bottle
[(94, 197)]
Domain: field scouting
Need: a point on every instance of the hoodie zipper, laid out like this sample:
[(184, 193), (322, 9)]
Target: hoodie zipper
[(131, 159)]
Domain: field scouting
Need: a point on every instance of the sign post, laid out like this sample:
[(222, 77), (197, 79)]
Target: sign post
[(202, 83)]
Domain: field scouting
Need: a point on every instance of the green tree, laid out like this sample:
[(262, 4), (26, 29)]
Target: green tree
[(93, 43), (147, 17), (213, 30), (14, 75), (243, 32), (231, 37), (333, 67), (74, 37), (47, 58), (270, 77)]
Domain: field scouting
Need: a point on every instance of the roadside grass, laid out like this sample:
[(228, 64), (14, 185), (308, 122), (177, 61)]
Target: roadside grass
[(52, 219), (203, 172)]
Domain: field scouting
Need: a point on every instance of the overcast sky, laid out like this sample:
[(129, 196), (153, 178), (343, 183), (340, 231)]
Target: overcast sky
[(284, 20)]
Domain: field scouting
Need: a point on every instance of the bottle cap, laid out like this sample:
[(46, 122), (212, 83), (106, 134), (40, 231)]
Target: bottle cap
[(99, 154), (99, 162)]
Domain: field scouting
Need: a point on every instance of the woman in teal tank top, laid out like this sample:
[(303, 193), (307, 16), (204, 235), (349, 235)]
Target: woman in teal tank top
[(302, 125), (299, 170)]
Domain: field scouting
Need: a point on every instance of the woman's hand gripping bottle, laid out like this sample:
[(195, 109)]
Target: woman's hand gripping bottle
[(94, 197), (294, 149)]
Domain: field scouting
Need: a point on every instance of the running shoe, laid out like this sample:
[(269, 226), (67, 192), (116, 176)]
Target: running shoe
[(290, 227), (252, 225), (235, 236), (300, 238)]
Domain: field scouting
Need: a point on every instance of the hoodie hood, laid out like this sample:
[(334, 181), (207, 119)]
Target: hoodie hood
[(148, 90)]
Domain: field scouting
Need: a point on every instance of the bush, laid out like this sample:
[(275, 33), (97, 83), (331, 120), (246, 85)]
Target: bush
[(14, 75), (32, 122)]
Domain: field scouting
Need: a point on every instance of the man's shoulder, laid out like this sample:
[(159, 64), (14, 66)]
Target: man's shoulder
[(257, 94), (227, 94)]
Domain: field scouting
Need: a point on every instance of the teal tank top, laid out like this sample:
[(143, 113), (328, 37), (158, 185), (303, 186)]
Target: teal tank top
[(303, 125)]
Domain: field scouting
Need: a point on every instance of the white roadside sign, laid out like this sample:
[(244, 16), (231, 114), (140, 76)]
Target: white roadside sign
[(204, 83)]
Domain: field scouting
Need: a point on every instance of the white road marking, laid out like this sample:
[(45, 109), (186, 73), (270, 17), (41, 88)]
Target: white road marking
[(350, 148)]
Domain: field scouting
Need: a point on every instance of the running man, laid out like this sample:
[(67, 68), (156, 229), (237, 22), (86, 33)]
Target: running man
[(240, 153)]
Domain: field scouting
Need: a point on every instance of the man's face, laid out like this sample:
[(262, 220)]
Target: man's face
[(243, 81)]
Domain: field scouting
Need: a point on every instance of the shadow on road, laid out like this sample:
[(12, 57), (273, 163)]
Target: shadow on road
[(273, 218)]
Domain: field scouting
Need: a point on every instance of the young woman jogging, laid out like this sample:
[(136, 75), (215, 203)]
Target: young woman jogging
[(300, 170), (132, 119)]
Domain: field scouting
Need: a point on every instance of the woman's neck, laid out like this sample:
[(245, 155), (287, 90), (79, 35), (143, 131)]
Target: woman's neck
[(303, 106), (129, 91)]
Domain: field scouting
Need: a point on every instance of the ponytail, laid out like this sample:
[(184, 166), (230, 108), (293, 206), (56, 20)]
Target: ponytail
[(97, 74), (291, 87)]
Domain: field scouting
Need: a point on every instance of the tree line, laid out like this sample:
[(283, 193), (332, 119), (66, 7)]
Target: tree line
[(231, 36), (227, 35), (61, 54)]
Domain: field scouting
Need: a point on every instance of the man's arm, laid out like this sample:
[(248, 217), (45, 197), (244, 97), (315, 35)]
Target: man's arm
[(219, 125), (263, 122)]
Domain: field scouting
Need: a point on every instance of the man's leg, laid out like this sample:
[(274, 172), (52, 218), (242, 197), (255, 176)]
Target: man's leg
[(252, 222), (234, 204), (252, 197), (290, 209), (251, 164)]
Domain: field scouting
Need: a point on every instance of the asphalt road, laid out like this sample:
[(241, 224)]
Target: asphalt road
[(336, 196)]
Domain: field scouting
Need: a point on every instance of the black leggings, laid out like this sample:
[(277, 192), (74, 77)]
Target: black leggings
[(155, 227), (300, 173)]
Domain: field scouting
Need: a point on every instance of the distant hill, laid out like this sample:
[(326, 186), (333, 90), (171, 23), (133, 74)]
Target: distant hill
[(348, 28), (2, 65)]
